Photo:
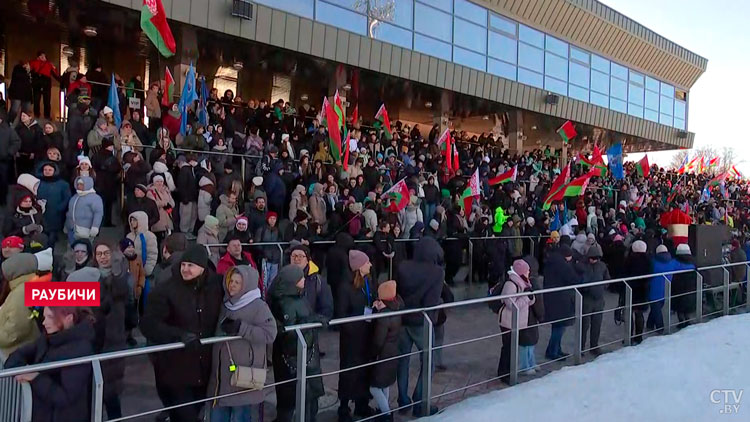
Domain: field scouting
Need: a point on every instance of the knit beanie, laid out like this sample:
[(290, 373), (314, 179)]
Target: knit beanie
[(211, 222), (661, 249), (357, 259), (683, 249), (387, 290), (141, 187), (196, 254), (176, 242), (521, 267), (271, 214), (639, 246), (125, 243)]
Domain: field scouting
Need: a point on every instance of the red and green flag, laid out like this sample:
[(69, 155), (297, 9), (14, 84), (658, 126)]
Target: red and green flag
[(557, 185), (734, 172), (642, 167), (701, 165), (445, 145), (346, 152), (508, 176), (567, 132), (383, 122), (154, 25), (470, 192), (338, 107), (334, 135), (596, 161), (168, 94), (714, 162), (397, 196), (718, 180), (576, 187)]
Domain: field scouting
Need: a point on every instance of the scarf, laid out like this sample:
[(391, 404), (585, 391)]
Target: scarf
[(243, 301), (105, 272)]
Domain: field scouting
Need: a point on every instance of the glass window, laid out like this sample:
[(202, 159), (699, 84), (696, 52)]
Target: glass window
[(530, 57), (600, 64), (556, 46), (531, 36), (469, 58), (635, 94), (635, 110), (401, 15), (652, 84), (341, 18), (470, 36), (446, 5), (502, 69), (433, 22), (600, 82), (667, 90), (619, 71), (579, 74), (665, 119), (502, 24), (679, 123), (578, 54), (679, 109), (304, 8), (617, 105), (651, 115), (432, 47), (578, 93), (652, 100), (530, 78), (349, 4), (555, 85), (392, 34), (665, 105), (619, 88), (556, 66), (636, 78), (470, 11), (599, 99), (503, 47)]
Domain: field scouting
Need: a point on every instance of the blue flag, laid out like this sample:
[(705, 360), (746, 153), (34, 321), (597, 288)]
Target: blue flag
[(202, 104), (186, 99), (113, 102), (614, 156)]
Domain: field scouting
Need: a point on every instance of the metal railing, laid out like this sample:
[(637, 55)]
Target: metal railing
[(7, 402)]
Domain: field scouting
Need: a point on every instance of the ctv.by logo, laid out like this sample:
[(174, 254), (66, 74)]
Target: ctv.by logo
[(729, 398)]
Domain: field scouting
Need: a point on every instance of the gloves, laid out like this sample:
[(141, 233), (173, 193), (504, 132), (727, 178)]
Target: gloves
[(31, 228), (230, 326), (94, 232), (192, 342)]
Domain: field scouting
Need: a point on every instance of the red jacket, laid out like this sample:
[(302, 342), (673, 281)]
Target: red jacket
[(226, 262), (44, 68)]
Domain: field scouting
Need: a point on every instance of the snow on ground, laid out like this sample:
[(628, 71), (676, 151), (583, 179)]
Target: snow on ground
[(666, 378)]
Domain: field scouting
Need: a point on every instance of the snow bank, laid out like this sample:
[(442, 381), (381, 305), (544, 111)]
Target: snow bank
[(666, 378)]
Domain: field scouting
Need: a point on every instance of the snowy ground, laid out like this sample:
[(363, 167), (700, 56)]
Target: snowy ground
[(666, 378)]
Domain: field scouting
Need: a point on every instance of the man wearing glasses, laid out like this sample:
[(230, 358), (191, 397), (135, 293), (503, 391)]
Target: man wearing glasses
[(317, 291)]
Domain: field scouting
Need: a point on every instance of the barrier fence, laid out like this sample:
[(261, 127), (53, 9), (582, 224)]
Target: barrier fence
[(9, 403)]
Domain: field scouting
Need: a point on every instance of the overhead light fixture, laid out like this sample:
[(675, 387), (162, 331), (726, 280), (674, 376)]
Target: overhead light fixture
[(90, 31), (485, 117), (237, 65), (68, 51), (428, 104), (304, 97), (346, 87)]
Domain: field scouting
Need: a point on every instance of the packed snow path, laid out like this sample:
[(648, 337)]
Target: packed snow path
[(695, 375)]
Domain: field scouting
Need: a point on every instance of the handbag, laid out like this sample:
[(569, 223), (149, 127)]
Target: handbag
[(246, 376)]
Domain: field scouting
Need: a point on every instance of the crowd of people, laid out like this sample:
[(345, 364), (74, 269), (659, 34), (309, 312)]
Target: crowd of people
[(191, 248)]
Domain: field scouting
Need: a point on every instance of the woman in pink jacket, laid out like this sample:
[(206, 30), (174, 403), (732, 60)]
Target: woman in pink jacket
[(518, 282)]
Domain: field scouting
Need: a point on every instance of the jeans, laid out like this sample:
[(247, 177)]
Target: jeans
[(231, 414), (409, 336), (526, 357), (269, 273), (15, 111), (554, 349), (381, 398), (655, 319), (429, 211)]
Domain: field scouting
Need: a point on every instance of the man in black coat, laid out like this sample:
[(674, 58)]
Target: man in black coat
[(10, 143), (187, 185), (107, 168), (140, 202), (420, 283), (559, 272), (337, 259), (184, 309)]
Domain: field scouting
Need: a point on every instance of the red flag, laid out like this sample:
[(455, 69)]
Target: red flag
[(508, 176), (642, 166), (166, 96), (448, 151), (355, 115), (567, 132), (346, 151), (556, 187), (455, 156), (398, 197), (333, 127)]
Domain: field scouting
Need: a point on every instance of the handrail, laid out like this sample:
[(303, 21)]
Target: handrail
[(211, 340), (332, 242)]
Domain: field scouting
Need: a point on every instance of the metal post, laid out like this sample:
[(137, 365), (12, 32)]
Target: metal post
[(97, 392), (628, 314), (390, 268), (698, 296), (532, 246), (427, 336), (281, 258), (471, 262), (299, 409), (514, 346), (667, 309), (726, 291), (242, 170), (578, 328)]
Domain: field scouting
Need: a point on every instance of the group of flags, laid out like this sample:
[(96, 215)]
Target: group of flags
[(701, 164)]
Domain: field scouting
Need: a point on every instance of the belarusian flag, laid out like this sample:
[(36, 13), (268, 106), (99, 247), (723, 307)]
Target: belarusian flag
[(684, 167), (701, 166), (508, 176), (718, 180), (642, 166), (445, 144), (470, 192), (734, 172), (168, 94), (567, 132), (334, 135), (338, 107), (154, 25), (576, 187), (714, 162), (455, 155), (346, 152), (398, 197), (557, 185), (383, 122), (596, 161)]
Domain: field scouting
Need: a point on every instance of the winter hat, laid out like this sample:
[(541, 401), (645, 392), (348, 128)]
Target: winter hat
[(357, 259), (639, 246), (434, 225), (141, 187), (271, 214), (175, 242), (300, 247), (241, 219), (13, 242), (662, 249), (196, 254), (107, 110), (228, 166), (157, 177), (683, 249), (301, 216), (125, 243), (735, 244), (521, 267), (44, 260), (566, 251), (258, 180), (211, 222), (387, 290), (85, 274), (84, 159), (530, 221), (107, 142)]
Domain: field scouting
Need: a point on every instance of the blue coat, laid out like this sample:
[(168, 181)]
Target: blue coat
[(275, 190), (662, 263), (85, 210), (57, 193)]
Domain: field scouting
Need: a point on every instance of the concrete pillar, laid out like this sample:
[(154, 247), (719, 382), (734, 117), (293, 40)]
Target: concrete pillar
[(515, 135)]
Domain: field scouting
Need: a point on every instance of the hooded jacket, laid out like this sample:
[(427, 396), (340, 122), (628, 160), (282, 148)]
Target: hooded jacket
[(420, 280), (164, 204), (516, 284), (207, 234), (205, 197), (16, 325), (145, 243), (161, 168), (297, 202), (662, 263), (257, 329), (227, 215), (85, 211), (317, 204), (57, 194)]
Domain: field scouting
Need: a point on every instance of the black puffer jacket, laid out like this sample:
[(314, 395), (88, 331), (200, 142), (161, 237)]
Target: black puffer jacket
[(337, 260), (637, 264), (420, 280), (559, 273), (385, 345)]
